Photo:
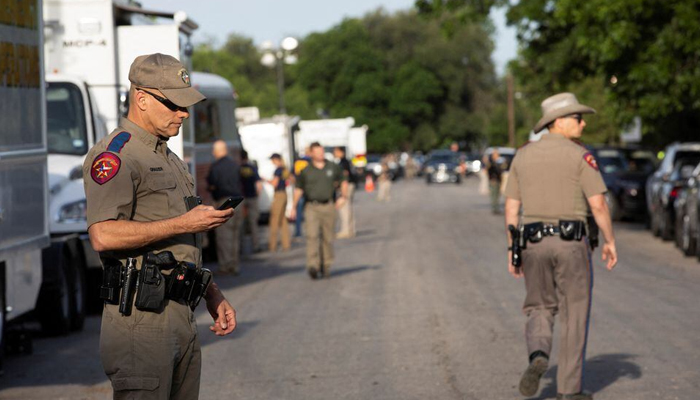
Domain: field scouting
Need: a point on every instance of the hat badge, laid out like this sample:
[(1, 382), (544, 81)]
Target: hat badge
[(185, 76)]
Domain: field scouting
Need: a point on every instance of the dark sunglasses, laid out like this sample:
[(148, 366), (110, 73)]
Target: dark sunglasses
[(577, 117), (167, 103)]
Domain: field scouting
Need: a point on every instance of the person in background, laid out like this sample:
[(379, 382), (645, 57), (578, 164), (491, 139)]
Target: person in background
[(319, 183), (252, 186), (495, 172), (346, 213), (278, 219), (384, 182), (224, 181), (299, 166)]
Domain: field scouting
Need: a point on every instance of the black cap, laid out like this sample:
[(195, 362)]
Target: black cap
[(275, 155)]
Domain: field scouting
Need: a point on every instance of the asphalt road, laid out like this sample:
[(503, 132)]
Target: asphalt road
[(419, 306)]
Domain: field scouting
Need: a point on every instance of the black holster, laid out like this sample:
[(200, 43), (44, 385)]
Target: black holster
[(112, 276)]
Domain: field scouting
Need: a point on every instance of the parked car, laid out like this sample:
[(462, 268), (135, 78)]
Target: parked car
[(625, 181), (664, 184), (687, 214), (442, 166)]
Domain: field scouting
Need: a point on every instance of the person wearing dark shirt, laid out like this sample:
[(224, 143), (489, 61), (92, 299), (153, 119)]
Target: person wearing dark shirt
[(278, 218), (494, 170), (252, 186), (347, 216), (224, 181)]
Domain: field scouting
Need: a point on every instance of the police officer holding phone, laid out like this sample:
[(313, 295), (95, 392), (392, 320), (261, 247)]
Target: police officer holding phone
[(555, 181), (136, 190)]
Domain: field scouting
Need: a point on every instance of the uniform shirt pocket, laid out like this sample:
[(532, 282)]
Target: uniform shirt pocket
[(156, 201)]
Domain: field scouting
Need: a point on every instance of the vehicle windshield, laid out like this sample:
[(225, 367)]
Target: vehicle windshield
[(442, 158), (66, 126), (687, 160), (611, 161)]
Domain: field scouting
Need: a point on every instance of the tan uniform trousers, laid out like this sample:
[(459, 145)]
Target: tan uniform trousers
[(559, 280), (228, 242), (278, 222), (153, 356), (346, 214), (320, 230), (384, 190), (252, 218)]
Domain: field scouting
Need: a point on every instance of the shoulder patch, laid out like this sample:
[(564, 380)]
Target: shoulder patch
[(118, 142), (105, 167), (591, 160)]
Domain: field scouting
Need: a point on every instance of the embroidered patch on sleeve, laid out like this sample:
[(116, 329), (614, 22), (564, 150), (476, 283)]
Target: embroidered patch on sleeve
[(105, 167), (591, 160)]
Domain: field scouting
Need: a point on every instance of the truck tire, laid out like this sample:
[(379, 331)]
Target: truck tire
[(54, 305), (78, 295), (3, 308)]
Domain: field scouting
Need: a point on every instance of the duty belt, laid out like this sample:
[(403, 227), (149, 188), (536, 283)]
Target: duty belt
[(566, 230), (318, 201), (185, 283)]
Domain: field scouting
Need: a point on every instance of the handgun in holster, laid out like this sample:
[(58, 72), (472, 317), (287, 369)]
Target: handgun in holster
[(517, 244)]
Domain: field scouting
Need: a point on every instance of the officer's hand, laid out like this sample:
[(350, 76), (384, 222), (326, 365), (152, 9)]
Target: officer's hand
[(340, 202), (223, 313), (293, 214), (609, 253), (204, 218), (517, 272)]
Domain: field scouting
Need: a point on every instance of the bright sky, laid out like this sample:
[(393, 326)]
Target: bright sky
[(274, 19)]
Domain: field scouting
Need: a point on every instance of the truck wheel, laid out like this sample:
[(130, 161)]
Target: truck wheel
[(78, 294), (666, 226), (55, 303), (688, 242), (2, 319)]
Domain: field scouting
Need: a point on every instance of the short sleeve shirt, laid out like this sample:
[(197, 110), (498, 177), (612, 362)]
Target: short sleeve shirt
[(553, 179), (283, 175), (249, 179), (132, 175), (320, 184)]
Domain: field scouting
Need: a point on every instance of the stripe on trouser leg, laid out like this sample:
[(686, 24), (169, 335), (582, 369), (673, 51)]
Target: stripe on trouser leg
[(588, 313)]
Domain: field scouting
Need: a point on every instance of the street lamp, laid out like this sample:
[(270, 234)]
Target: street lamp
[(276, 58)]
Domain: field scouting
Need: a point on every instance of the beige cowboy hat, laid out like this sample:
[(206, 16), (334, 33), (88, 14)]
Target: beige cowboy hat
[(560, 105), (167, 74)]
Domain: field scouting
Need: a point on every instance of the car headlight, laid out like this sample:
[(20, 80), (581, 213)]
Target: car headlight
[(377, 169), (73, 212)]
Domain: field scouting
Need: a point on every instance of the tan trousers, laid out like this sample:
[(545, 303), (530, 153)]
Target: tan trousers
[(252, 218), (154, 356), (559, 280), (319, 227), (347, 216), (278, 222), (228, 242)]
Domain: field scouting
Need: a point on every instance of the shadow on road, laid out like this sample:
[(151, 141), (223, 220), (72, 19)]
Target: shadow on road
[(600, 372), (336, 273)]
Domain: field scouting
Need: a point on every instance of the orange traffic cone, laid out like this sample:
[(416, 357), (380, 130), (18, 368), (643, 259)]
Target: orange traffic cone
[(369, 184)]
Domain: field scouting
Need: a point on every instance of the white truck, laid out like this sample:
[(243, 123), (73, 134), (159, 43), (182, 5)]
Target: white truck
[(332, 133), (89, 47), (263, 138), (23, 175)]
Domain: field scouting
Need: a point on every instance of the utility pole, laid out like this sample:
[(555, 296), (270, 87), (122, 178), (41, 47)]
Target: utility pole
[(511, 111)]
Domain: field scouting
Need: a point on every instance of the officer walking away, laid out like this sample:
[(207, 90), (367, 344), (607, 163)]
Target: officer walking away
[(384, 181), (494, 170), (555, 180), (347, 216), (278, 217), (139, 223), (318, 182), (252, 187), (224, 181)]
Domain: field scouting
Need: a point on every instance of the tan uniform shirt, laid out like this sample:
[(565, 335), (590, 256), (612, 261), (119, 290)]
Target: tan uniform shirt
[(132, 175), (553, 178)]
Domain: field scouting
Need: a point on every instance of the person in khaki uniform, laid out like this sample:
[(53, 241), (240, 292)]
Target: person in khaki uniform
[(278, 218), (135, 187), (318, 183), (224, 181), (346, 212), (555, 181)]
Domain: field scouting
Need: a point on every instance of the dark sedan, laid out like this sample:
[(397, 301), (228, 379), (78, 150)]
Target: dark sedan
[(442, 167)]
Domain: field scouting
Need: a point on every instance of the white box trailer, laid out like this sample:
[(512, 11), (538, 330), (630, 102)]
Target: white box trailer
[(263, 138), (332, 133), (89, 47), (23, 175)]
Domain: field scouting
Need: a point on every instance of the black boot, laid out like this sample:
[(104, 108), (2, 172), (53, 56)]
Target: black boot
[(530, 382)]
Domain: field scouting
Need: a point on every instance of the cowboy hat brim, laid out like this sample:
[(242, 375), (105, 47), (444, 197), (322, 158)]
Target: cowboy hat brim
[(562, 112)]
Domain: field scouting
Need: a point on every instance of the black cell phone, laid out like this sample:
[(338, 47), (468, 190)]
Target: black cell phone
[(231, 202)]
